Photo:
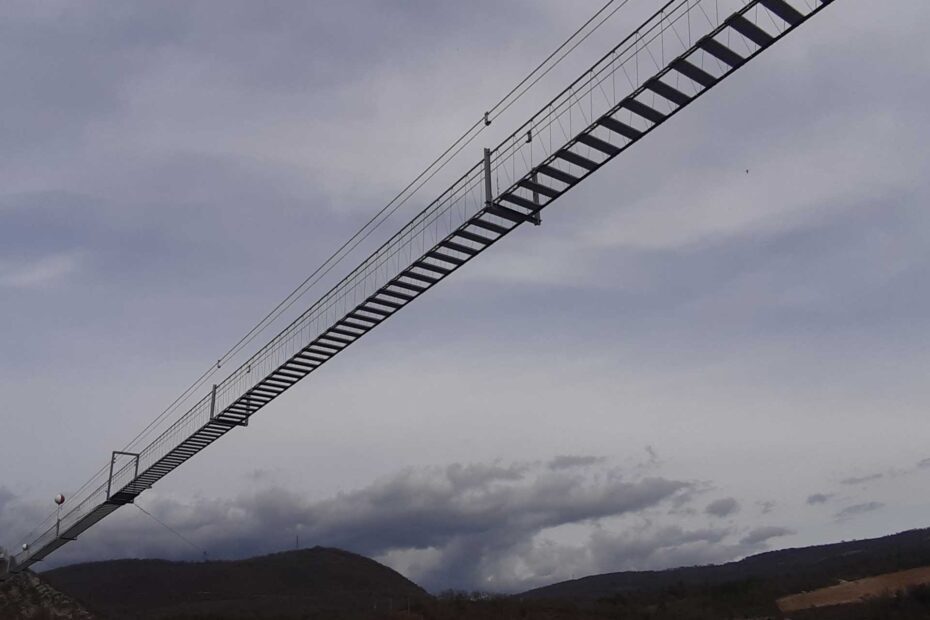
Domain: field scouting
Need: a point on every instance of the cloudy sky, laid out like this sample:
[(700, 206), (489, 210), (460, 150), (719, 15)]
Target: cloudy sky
[(686, 363)]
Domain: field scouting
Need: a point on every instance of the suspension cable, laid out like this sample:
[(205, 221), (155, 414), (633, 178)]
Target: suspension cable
[(171, 529), (399, 200), (382, 215)]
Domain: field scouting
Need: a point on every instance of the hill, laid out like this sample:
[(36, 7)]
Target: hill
[(330, 582), (334, 584), (786, 571)]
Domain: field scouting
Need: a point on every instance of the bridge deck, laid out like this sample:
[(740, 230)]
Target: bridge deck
[(703, 65)]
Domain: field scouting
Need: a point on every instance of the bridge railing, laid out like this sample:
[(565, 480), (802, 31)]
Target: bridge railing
[(668, 33), (622, 72), (672, 31)]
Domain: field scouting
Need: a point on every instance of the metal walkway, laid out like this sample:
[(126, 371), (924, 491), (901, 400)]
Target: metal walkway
[(680, 53)]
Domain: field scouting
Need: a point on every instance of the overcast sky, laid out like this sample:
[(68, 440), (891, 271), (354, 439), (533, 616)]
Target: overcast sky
[(685, 363)]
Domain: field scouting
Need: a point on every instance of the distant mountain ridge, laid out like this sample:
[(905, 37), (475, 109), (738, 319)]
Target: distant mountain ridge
[(790, 570), (278, 585), (338, 585)]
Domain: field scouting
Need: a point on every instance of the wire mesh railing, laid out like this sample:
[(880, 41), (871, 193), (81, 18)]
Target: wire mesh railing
[(621, 73)]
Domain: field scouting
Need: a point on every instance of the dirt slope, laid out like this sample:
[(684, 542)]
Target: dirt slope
[(856, 591)]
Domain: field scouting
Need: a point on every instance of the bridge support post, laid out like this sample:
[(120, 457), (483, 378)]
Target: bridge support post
[(213, 402), (488, 192), (536, 218), (113, 456)]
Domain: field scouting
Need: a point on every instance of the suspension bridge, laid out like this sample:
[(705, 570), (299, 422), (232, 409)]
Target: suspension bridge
[(677, 55)]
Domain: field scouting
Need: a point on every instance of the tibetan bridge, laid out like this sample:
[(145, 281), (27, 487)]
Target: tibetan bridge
[(679, 54)]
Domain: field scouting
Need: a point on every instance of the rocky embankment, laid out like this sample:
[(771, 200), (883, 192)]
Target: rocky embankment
[(26, 596)]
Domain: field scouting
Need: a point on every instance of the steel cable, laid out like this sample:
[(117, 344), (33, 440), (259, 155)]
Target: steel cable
[(377, 220)]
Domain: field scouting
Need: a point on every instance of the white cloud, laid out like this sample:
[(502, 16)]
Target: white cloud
[(39, 273)]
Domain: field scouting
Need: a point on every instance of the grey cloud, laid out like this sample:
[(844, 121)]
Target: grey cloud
[(136, 136), (819, 498), (83, 58), (644, 546), (5, 497), (761, 535), (661, 547), (651, 548), (259, 474), (570, 461), (18, 516), (476, 520), (767, 506), (426, 507), (924, 464), (862, 479), (723, 507), (858, 509)]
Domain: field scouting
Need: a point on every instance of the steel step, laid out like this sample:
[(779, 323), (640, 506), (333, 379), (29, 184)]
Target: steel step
[(539, 188), (604, 147), (520, 201), (784, 10), (557, 174), (668, 92), (641, 109), (721, 51), (750, 31), (619, 127), (576, 159), (505, 212), (445, 258), (694, 72)]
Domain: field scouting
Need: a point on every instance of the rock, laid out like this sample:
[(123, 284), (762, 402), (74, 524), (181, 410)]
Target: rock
[(26, 596)]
